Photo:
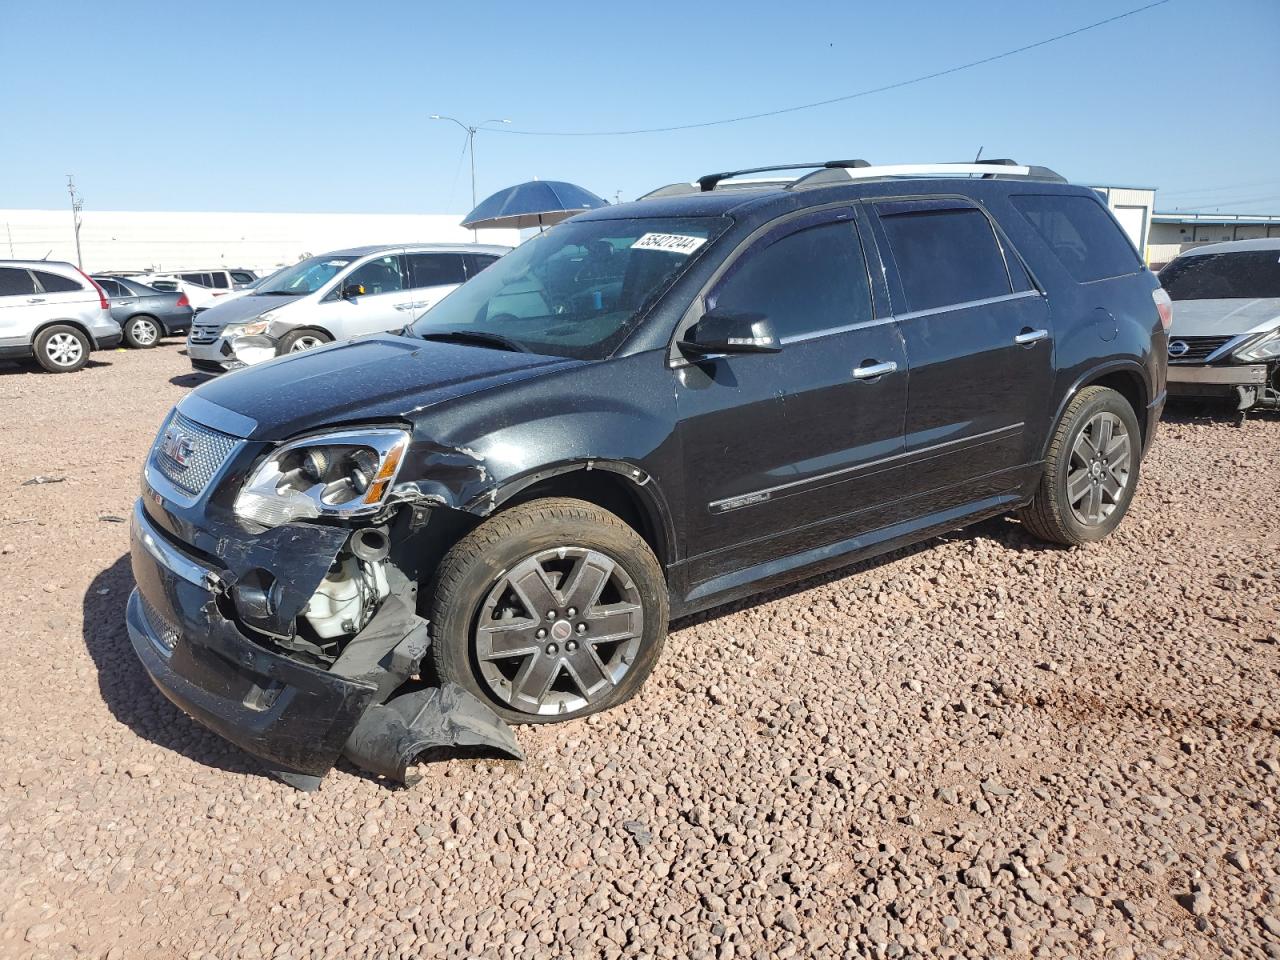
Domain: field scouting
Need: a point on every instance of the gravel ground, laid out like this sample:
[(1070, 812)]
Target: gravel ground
[(978, 747)]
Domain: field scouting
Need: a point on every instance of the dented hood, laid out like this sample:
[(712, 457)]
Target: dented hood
[(372, 378)]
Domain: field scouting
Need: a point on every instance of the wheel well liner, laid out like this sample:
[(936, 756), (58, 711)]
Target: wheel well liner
[(1126, 379)]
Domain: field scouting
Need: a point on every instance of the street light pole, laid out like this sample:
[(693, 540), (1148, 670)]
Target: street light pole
[(470, 130), (77, 204)]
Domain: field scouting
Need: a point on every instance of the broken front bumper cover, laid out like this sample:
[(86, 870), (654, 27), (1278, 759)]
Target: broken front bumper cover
[(295, 717)]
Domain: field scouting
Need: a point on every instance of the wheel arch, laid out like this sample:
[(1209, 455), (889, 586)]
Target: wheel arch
[(1126, 378), (78, 325)]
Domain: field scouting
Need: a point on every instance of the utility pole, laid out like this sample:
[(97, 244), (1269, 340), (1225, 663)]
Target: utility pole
[(77, 204), (470, 131), (9, 230)]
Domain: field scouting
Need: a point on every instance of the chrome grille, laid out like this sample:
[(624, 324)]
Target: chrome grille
[(203, 452), (164, 630), (203, 333), (1198, 348)]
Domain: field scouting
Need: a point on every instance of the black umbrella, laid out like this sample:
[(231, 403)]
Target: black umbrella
[(538, 203)]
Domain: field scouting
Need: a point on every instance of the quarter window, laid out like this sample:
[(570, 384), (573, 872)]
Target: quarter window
[(1081, 235), (805, 282), (53, 283), (945, 257), (378, 276), (112, 288), (435, 269), (16, 283)]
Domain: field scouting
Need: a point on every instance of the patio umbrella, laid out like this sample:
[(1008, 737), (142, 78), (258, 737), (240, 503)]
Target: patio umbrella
[(538, 203)]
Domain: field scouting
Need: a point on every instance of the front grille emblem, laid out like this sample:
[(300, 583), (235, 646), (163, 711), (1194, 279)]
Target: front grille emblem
[(177, 446), (1178, 348)]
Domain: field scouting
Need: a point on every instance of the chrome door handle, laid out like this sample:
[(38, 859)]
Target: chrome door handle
[(36, 300), (1030, 336), (873, 370)]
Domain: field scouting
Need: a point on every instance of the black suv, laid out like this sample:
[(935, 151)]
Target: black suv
[(388, 544)]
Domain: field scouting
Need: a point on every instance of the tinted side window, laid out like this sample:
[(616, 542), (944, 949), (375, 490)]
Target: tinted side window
[(805, 282), (15, 283), (219, 280), (378, 276), (477, 262), (54, 283), (239, 276), (113, 289), (1081, 234), (199, 279), (945, 257), (435, 269)]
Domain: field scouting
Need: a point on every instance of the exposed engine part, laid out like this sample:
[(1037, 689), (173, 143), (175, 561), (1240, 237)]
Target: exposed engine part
[(347, 597), (371, 544)]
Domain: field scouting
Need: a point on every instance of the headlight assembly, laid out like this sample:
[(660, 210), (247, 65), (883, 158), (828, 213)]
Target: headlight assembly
[(252, 329), (1267, 348), (343, 474)]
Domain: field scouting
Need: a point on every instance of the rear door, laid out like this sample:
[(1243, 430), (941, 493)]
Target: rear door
[(433, 276), (781, 450), (68, 297), (980, 344)]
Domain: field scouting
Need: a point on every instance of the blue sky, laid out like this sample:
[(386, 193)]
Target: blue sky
[(324, 106)]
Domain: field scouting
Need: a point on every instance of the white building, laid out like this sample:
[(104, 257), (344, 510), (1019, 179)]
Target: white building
[(1133, 207), (163, 241), (1171, 233)]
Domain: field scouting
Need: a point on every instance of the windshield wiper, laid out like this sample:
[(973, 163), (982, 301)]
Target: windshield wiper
[(282, 293), (479, 338)]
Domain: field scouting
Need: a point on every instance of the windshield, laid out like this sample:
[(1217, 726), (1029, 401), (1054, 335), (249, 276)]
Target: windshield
[(1248, 275), (577, 290), (304, 277)]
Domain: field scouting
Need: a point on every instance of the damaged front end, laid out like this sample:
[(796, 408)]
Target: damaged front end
[(280, 608)]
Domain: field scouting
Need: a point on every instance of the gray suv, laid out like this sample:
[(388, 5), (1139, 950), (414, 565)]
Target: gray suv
[(51, 311)]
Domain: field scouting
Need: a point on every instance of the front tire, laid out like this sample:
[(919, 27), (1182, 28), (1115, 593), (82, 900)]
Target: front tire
[(142, 332), (1091, 471), (295, 341), (62, 349), (549, 611)]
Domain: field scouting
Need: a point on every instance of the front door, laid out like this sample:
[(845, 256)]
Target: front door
[(382, 306), (778, 446), (980, 344), (432, 277)]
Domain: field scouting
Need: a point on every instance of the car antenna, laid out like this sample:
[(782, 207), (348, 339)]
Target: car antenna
[(979, 155)]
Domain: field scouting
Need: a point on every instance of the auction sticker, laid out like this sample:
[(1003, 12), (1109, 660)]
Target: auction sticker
[(670, 242)]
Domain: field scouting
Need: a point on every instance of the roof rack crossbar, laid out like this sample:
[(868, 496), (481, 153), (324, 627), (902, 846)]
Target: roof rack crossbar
[(708, 182)]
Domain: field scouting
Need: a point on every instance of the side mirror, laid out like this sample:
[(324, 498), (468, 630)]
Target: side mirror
[(352, 290), (723, 331)]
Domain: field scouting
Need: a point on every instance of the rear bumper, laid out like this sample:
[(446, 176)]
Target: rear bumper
[(295, 717), (107, 341)]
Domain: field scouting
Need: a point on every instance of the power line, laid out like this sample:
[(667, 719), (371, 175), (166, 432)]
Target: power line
[(851, 96), (1207, 190)]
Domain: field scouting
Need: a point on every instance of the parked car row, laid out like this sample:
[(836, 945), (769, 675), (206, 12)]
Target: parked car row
[(54, 313)]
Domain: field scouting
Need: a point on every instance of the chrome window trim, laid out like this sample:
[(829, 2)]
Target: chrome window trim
[(764, 493), (831, 331), (965, 305)]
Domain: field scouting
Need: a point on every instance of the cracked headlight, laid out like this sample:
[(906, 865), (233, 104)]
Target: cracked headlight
[(1267, 348), (342, 474), (251, 329)]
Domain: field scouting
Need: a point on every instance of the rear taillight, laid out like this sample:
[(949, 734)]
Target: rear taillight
[(1164, 306), (102, 294), (183, 300)]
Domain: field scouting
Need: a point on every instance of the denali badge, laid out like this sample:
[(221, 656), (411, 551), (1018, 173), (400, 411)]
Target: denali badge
[(1178, 348), (176, 446)]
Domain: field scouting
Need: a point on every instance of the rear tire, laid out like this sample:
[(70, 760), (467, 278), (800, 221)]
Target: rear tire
[(1091, 470), (295, 341), (62, 348), (591, 648), (142, 332)]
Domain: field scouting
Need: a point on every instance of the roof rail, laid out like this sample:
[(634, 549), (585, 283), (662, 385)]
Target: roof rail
[(709, 181), (1004, 169)]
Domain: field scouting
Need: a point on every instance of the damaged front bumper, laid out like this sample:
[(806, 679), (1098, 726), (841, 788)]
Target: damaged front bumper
[(297, 717)]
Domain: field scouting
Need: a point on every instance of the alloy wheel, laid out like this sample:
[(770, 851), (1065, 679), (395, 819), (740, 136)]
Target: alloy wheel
[(305, 343), (145, 332), (64, 349), (558, 631), (1098, 474)]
